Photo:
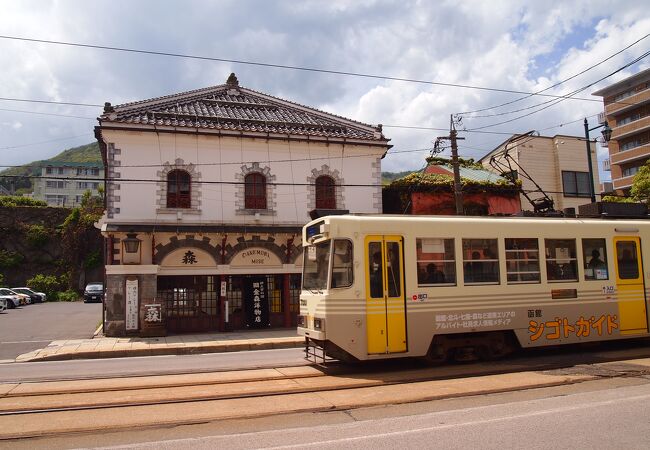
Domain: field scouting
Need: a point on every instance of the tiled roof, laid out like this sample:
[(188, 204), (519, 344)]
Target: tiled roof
[(230, 107)]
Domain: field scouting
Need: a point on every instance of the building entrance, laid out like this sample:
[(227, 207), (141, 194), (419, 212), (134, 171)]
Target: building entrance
[(192, 303)]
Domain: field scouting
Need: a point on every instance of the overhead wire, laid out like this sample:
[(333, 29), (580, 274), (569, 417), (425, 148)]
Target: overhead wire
[(566, 97), (554, 85), (146, 181), (238, 163), (526, 108), (280, 66)]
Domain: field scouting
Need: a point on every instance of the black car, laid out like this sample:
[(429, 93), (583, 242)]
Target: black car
[(94, 292)]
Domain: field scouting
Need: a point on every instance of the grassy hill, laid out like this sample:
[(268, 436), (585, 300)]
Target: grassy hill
[(84, 153), (388, 177)]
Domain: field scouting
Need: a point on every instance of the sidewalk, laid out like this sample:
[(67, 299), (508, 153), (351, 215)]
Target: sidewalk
[(106, 347)]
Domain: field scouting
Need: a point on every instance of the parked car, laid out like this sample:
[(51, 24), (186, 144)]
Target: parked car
[(32, 295), (13, 300), (41, 294), (24, 298), (3, 304), (94, 292)]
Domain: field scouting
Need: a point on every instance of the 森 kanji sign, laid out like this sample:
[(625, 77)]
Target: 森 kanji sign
[(257, 302)]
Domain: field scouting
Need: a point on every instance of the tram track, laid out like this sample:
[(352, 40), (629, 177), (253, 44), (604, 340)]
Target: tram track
[(113, 404), (40, 398)]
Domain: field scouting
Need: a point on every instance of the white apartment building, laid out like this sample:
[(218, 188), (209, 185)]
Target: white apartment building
[(64, 183)]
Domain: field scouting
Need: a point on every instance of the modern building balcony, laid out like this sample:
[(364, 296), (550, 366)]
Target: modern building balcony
[(640, 152), (631, 128), (623, 183), (627, 103)]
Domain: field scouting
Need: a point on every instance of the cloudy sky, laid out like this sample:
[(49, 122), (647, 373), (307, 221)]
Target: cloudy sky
[(523, 46)]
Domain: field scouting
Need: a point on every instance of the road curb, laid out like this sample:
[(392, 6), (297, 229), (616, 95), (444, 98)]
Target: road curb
[(169, 349)]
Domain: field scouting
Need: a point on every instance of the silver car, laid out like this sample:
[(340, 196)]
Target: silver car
[(3, 304), (13, 300), (22, 298)]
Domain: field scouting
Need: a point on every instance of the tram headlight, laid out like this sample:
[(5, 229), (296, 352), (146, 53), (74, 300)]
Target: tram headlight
[(302, 321), (319, 324)]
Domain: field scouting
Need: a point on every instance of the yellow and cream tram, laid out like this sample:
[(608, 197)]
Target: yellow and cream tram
[(392, 286)]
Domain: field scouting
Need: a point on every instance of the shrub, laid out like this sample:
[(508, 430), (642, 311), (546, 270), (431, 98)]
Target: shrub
[(10, 259), (616, 199), (93, 259), (67, 296), (37, 235), (14, 200), (49, 284), (2, 280)]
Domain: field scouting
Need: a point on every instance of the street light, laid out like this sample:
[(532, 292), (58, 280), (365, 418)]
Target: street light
[(607, 134), (131, 243)]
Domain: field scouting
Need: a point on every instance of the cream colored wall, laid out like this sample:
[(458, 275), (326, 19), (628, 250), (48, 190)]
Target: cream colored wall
[(538, 158), (544, 159), (219, 159), (572, 156)]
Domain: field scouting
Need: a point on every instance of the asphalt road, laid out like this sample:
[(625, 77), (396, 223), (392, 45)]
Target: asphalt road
[(149, 365), (611, 418), (603, 413), (31, 327)]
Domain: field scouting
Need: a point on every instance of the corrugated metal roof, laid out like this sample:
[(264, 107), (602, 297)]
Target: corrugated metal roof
[(475, 174)]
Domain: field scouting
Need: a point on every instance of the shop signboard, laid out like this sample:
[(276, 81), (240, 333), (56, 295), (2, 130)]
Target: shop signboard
[(256, 298)]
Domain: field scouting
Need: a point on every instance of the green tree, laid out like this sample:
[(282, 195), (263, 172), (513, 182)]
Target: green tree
[(79, 238), (640, 190)]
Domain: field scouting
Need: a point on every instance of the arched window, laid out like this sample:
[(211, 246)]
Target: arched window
[(255, 191), (178, 189), (325, 192)]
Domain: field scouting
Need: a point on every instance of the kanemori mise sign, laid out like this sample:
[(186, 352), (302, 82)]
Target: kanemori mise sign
[(255, 257)]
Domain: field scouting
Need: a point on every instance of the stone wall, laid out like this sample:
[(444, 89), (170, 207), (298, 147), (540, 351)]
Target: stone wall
[(36, 257), (115, 303)]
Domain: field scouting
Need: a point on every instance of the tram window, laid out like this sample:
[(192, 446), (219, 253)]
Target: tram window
[(342, 264), (561, 264), (628, 266), (522, 260), (375, 269), (480, 261), (594, 254), (315, 266), (393, 269), (436, 261)]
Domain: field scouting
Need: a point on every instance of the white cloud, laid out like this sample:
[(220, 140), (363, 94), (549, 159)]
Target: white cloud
[(524, 46)]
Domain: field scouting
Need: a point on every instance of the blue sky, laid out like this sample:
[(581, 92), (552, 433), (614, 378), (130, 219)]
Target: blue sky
[(518, 45)]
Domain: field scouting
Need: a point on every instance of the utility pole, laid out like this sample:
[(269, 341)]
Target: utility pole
[(453, 138), (458, 193)]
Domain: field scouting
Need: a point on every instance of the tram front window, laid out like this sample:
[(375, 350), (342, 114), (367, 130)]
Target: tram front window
[(316, 264), (342, 264)]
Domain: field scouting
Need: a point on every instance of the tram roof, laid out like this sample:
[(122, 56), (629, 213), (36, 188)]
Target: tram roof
[(491, 219)]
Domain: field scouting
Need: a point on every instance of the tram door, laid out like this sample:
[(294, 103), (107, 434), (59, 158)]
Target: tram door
[(630, 286), (385, 310)]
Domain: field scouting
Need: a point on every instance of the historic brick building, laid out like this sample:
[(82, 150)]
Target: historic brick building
[(207, 192)]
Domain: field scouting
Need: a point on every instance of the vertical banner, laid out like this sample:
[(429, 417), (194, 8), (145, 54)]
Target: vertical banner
[(131, 305), (256, 298)]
